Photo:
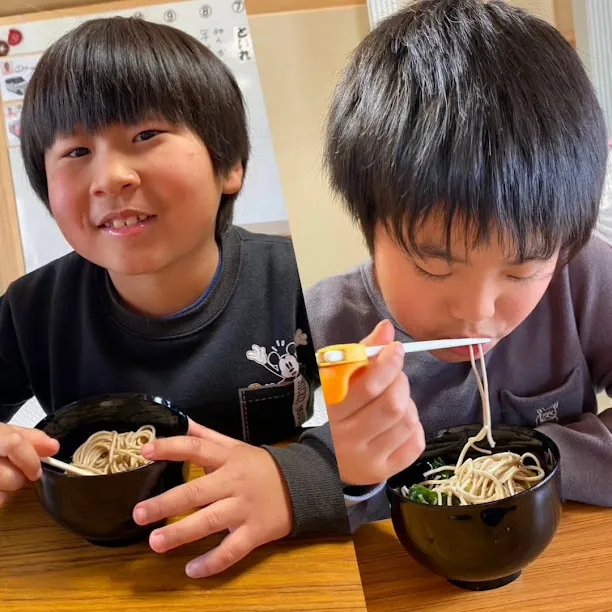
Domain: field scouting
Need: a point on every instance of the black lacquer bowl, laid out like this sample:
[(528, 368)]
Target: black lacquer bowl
[(486, 546), (99, 508)]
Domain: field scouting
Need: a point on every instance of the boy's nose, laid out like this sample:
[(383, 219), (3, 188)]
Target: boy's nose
[(473, 306), (113, 177)]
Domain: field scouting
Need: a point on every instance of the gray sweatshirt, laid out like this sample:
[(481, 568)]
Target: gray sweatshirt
[(544, 375)]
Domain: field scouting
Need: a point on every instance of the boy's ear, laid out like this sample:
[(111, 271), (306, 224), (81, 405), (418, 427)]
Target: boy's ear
[(232, 183)]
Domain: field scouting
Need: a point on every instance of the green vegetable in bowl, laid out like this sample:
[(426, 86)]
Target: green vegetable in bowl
[(438, 462), (422, 495)]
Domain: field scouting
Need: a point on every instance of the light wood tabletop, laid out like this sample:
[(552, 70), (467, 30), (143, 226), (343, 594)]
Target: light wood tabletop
[(43, 567), (573, 573)]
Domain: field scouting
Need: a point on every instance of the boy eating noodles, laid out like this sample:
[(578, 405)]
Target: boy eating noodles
[(135, 137), (468, 144)]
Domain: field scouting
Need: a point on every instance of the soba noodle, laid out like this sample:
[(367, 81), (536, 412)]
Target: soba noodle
[(484, 479), (109, 452)]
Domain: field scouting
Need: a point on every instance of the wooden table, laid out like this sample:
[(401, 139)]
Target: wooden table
[(44, 567), (572, 574)]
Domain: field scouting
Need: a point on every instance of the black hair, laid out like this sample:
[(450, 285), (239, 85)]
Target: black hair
[(125, 70), (476, 112)]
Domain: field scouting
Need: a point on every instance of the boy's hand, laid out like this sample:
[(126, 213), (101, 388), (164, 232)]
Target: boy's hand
[(376, 429), (20, 451), (243, 491)]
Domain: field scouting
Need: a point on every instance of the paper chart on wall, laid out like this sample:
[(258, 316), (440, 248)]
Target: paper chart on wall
[(223, 27)]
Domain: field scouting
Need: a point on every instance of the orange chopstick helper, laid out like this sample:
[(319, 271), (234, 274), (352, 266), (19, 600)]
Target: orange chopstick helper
[(339, 362)]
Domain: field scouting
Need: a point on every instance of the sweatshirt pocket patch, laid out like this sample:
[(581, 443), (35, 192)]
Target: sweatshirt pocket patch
[(560, 405), (275, 413)]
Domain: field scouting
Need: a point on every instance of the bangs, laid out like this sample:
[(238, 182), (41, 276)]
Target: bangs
[(95, 85), (455, 235), (111, 74)]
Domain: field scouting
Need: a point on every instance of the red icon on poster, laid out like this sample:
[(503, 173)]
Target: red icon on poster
[(15, 37), (4, 48)]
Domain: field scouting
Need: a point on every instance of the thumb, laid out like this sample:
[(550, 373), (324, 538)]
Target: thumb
[(383, 333), (42, 443)]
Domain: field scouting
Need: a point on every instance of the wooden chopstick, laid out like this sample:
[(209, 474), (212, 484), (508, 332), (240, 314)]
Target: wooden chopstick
[(77, 471)]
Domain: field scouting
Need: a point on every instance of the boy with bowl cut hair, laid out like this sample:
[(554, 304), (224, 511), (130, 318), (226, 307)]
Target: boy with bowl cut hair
[(135, 137), (467, 142), (132, 86)]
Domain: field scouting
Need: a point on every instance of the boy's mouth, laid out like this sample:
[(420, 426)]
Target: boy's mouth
[(127, 223), (464, 351), (118, 223), (124, 220)]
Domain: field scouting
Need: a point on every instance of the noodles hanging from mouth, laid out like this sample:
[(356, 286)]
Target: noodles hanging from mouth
[(492, 477), (109, 452)]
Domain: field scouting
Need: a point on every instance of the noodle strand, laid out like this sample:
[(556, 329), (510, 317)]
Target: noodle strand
[(491, 477)]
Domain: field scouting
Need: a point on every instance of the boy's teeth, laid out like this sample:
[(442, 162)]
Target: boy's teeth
[(119, 223)]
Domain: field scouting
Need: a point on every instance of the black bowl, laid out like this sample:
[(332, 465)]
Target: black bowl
[(485, 546), (99, 508)]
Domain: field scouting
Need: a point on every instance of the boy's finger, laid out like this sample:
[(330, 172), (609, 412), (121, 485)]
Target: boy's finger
[(385, 444), (43, 444), (204, 453), (232, 549), (3, 498), (408, 452), (194, 494), (217, 517), (46, 447), (383, 333), (386, 411), (11, 478), (21, 454), (204, 433), (371, 382)]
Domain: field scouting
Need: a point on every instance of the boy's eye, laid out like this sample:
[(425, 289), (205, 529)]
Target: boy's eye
[(521, 279), (146, 135), (78, 152), (428, 275)]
